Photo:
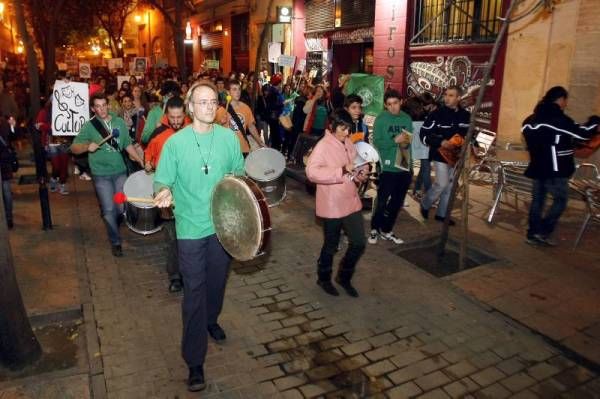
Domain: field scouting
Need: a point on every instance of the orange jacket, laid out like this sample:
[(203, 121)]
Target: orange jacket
[(154, 148)]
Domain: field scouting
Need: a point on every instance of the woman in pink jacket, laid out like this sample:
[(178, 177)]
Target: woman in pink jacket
[(331, 167)]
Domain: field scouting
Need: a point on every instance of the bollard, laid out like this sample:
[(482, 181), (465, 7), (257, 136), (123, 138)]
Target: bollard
[(42, 177)]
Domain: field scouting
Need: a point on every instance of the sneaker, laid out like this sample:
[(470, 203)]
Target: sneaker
[(53, 183), (441, 219), (63, 190), (540, 240), (85, 176), (391, 237), (373, 237), (216, 332), (196, 379), (76, 170)]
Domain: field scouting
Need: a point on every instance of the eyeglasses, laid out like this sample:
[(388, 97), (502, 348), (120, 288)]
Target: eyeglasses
[(206, 103)]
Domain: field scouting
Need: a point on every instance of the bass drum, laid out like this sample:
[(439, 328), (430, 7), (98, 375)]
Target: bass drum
[(140, 217), (266, 167), (241, 217)]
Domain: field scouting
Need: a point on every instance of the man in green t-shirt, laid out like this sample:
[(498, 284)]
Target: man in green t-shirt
[(191, 164), (169, 89), (109, 171), (391, 136)]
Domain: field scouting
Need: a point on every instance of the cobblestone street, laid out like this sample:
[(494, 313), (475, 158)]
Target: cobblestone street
[(408, 335)]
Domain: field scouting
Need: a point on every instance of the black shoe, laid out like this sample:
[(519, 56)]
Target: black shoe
[(424, 212), (175, 286), (196, 379), (117, 251), (347, 286), (328, 287), (441, 219), (216, 332), (10, 224)]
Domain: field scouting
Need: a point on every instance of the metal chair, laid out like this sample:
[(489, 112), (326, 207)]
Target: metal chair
[(484, 156), (511, 179), (586, 183)]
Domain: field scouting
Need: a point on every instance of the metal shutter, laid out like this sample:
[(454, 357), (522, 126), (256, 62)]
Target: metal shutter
[(357, 13), (211, 40), (320, 15)]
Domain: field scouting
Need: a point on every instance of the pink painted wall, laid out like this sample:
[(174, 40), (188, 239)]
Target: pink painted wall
[(298, 24), (390, 46)]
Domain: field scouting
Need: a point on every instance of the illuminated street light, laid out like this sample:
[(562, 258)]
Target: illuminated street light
[(138, 19)]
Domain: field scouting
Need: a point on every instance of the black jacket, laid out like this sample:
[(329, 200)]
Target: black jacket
[(442, 124), (551, 137)]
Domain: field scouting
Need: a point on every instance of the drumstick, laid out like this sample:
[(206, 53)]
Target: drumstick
[(115, 134), (104, 140), (121, 198)]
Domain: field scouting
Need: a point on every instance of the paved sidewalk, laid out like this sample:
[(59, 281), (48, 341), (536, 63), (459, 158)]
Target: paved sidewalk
[(408, 335)]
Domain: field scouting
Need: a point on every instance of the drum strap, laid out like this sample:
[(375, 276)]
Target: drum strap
[(156, 132), (239, 124), (104, 133)]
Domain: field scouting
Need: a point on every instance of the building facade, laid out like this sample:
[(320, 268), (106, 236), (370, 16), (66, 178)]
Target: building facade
[(418, 46)]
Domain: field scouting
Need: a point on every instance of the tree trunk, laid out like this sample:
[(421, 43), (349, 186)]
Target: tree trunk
[(32, 65), (260, 50), (18, 344), (178, 36), (49, 54)]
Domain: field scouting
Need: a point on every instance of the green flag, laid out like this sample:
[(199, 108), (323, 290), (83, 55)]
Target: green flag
[(370, 89)]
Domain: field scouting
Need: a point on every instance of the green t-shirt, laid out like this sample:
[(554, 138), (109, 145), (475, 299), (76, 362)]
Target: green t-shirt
[(386, 127), (106, 160), (181, 168), (151, 121)]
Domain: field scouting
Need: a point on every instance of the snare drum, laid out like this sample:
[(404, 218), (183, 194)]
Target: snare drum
[(266, 167), (241, 217), (141, 218)]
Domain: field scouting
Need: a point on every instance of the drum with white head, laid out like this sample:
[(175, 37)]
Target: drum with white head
[(266, 167), (365, 153), (141, 218)]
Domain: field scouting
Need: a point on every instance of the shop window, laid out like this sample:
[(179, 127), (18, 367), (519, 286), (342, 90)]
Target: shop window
[(455, 21)]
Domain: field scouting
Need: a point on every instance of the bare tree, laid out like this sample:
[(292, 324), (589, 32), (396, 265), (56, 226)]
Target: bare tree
[(52, 23), (112, 15), (174, 17)]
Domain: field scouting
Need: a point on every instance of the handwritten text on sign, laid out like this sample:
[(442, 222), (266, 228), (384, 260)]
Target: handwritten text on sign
[(70, 107)]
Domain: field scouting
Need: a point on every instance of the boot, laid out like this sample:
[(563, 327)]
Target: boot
[(324, 282), (344, 278)]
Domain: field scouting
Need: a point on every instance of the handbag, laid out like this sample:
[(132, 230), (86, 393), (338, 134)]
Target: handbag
[(286, 122)]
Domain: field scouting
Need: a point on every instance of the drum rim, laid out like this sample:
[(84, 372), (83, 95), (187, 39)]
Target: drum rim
[(264, 218), (262, 178), (138, 204)]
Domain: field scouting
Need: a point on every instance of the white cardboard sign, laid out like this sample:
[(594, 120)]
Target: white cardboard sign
[(70, 107)]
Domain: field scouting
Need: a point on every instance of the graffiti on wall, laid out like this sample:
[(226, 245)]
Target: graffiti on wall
[(434, 76)]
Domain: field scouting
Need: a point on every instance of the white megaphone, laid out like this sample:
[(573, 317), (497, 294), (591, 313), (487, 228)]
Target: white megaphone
[(365, 153)]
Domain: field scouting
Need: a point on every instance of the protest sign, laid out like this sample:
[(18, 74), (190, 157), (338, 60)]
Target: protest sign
[(70, 107)]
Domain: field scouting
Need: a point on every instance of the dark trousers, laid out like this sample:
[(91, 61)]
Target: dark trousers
[(559, 189), (390, 198), (60, 167), (203, 265), (172, 257), (290, 142), (275, 134), (354, 228)]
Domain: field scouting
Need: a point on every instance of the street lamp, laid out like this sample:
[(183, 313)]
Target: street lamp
[(1, 11)]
